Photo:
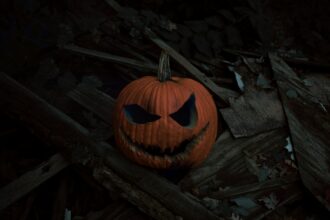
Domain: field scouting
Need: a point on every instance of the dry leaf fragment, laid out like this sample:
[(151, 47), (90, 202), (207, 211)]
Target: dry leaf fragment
[(270, 201)]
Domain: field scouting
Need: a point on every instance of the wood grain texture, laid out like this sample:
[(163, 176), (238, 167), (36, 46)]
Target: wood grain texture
[(254, 113), (228, 155), (309, 124), (112, 58), (95, 101)]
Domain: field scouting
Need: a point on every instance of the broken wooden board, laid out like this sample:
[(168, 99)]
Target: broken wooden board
[(309, 124), (117, 210), (254, 112), (55, 127), (112, 58), (230, 151), (31, 180), (245, 171), (91, 98), (318, 84), (253, 187)]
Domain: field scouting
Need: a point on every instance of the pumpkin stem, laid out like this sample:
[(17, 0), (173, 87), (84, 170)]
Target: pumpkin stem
[(164, 71)]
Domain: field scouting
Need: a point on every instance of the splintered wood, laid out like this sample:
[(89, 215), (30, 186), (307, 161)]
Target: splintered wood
[(309, 123)]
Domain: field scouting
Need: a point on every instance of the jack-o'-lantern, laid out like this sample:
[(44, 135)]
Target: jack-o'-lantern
[(165, 122)]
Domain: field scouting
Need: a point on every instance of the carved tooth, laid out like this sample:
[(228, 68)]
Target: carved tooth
[(168, 159), (179, 157), (133, 148)]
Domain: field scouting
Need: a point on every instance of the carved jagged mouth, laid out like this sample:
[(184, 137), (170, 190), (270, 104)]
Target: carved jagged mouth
[(179, 152)]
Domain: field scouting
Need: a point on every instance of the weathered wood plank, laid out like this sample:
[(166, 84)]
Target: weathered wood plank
[(109, 212), (60, 201), (254, 112), (112, 58), (31, 180), (309, 124), (254, 187), (57, 128), (230, 151), (95, 101), (290, 198), (316, 66), (137, 197)]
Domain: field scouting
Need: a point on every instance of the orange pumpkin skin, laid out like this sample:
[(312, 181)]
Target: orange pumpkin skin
[(136, 140)]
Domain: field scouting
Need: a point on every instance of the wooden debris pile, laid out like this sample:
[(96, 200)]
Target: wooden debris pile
[(271, 159)]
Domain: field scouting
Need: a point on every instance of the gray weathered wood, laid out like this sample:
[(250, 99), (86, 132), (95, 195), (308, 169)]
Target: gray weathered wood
[(230, 151), (297, 61), (60, 201), (254, 187), (290, 198), (137, 197), (109, 212), (31, 180), (112, 58), (254, 112), (309, 124), (95, 101)]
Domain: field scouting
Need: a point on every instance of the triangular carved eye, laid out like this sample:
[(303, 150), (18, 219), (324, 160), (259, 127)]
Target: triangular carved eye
[(137, 115), (186, 116)]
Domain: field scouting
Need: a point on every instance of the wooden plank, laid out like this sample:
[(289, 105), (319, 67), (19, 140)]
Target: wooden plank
[(112, 58), (254, 112), (291, 198), (139, 198), (296, 61), (56, 128), (109, 212), (254, 187), (114, 5), (309, 124), (60, 201), (230, 151), (31, 180), (95, 101)]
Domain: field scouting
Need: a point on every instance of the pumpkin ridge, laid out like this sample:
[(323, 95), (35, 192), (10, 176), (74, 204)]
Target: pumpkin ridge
[(156, 126), (182, 96)]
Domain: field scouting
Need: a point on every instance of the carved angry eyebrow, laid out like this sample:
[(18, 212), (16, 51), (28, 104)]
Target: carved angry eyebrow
[(135, 114), (186, 116)]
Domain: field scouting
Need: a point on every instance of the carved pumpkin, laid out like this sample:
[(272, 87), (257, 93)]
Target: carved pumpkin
[(165, 122)]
